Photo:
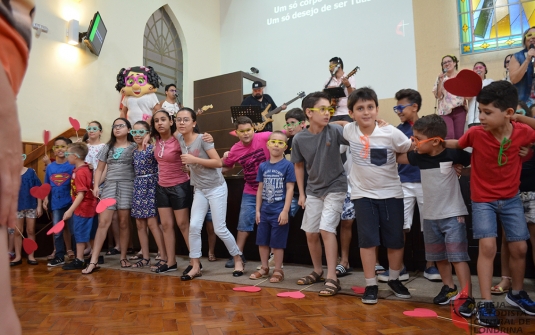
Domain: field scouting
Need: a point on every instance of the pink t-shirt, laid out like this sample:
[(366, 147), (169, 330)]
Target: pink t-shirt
[(167, 153), (250, 158)]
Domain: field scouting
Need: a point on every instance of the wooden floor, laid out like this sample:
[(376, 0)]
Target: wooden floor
[(53, 301)]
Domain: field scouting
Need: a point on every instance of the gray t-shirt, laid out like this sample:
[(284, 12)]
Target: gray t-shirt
[(201, 176), (323, 163), (119, 163)]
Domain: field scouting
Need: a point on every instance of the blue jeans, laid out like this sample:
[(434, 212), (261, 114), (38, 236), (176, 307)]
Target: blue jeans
[(247, 218), (59, 243)]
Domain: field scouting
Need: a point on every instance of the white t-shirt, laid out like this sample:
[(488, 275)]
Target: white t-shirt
[(172, 109), (374, 172), (140, 109), (473, 113)]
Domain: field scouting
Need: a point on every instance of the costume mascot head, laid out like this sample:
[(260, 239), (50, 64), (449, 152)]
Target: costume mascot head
[(138, 85)]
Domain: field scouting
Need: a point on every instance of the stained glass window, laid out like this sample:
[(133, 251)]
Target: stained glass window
[(490, 25)]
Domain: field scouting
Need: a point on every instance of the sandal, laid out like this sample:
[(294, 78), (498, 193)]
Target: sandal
[(257, 274), (70, 254), (342, 271), (142, 263), (311, 279), (158, 257), (277, 276), (94, 269), (330, 290), (156, 266), (211, 258), (112, 251), (125, 264), (498, 290)]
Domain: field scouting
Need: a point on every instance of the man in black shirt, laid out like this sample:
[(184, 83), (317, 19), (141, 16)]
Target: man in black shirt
[(258, 98)]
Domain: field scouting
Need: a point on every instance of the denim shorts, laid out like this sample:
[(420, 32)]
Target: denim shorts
[(380, 222), (82, 228), (511, 214), (247, 218), (445, 239)]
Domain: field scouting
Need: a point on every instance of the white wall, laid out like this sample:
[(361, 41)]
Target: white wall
[(63, 80)]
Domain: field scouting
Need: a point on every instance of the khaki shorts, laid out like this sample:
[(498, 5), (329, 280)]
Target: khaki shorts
[(323, 213)]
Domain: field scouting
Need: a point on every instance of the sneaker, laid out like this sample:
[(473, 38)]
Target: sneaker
[(56, 261), (486, 314), (399, 289), (271, 263), (370, 295), (467, 309), (74, 265), (403, 276), (522, 301), (230, 263), (432, 274), (446, 294)]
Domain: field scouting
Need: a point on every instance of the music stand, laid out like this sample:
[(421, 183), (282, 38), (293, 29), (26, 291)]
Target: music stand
[(335, 92), (252, 112)]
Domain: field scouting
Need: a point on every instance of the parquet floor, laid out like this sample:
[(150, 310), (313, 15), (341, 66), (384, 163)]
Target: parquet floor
[(53, 301)]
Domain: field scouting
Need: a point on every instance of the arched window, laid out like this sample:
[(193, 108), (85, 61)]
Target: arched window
[(162, 50), (490, 25)]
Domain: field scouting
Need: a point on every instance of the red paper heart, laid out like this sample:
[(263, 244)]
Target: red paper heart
[(29, 245), (421, 313), (74, 123), (233, 133), (105, 203), (466, 84), (46, 136), (358, 289), (248, 289), (40, 192), (58, 227), (294, 295)]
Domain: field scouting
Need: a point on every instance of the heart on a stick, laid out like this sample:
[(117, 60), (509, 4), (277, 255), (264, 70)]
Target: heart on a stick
[(466, 84), (74, 123), (105, 203), (248, 289), (40, 192), (294, 295), (358, 289), (46, 136), (58, 227), (421, 313), (29, 245)]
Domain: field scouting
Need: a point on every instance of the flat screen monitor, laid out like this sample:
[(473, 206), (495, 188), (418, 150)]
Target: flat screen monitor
[(96, 33)]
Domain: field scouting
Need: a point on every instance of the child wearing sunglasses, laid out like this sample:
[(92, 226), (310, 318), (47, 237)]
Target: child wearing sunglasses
[(58, 175), (276, 178), (84, 204)]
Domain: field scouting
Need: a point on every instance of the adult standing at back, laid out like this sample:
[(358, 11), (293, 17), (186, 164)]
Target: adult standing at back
[(450, 107), (259, 98), (338, 79), (521, 68), (171, 103), (472, 118)]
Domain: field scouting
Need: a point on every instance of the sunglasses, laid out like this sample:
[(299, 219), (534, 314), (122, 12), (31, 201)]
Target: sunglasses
[(59, 147), (92, 129), (67, 154), (502, 157), (138, 132), (529, 35), (244, 131), (276, 143), (520, 111), (292, 124), (417, 142), (323, 110), (140, 79), (399, 108)]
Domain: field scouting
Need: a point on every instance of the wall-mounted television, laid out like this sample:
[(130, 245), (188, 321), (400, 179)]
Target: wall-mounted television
[(95, 35)]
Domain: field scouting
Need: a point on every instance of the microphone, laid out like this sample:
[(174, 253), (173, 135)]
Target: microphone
[(531, 46), (335, 69)]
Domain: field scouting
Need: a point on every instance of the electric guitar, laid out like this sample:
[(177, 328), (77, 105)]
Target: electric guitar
[(334, 101), (267, 115), (204, 109)]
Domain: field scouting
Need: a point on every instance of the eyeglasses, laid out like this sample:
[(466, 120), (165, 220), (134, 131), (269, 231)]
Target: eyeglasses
[(292, 124), (504, 145), (323, 110), (276, 143), (119, 126), (92, 129), (171, 91), (417, 142), (138, 132), (67, 154), (520, 111), (59, 147), (447, 62), (529, 35), (365, 152), (244, 131), (399, 108), (182, 120), (140, 79)]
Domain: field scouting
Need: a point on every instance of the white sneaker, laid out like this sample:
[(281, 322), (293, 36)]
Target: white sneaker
[(271, 263)]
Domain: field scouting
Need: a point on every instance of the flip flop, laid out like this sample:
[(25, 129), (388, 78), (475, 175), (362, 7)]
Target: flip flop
[(342, 271), (497, 290)]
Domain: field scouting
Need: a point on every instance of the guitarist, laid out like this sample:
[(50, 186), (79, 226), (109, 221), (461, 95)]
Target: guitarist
[(258, 98), (336, 68), (171, 103)]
